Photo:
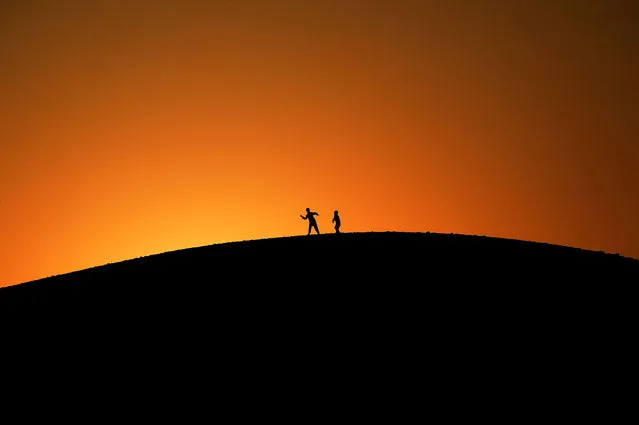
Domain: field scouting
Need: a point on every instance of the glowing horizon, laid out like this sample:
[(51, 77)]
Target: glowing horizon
[(136, 128)]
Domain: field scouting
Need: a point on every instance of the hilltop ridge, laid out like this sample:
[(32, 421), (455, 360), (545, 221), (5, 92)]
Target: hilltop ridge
[(368, 258), (398, 297)]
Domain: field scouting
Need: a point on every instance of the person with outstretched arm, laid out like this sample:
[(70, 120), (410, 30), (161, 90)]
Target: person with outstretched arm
[(312, 223)]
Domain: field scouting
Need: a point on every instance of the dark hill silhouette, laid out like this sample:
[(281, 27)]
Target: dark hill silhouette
[(471, 320), (324, 268)]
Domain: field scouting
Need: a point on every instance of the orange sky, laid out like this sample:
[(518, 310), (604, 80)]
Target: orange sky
[(130, 127)]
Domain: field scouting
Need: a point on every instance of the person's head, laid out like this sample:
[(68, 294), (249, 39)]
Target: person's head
[(308, 210), (335, 212)]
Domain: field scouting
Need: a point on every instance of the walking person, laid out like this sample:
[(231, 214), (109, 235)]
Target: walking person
[(312, 223), (337, 221)]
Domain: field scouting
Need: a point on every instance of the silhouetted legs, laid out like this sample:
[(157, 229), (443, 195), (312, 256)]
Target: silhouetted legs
[(312, 226)]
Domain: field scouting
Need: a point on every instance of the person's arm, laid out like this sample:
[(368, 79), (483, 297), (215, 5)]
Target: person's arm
[(303, 218)]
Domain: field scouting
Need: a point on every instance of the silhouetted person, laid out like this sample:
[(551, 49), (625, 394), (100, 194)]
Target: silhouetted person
[(312, 224), (337, 221)]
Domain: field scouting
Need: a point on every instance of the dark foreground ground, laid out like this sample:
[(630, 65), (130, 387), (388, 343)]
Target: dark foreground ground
[(382, 325), (407, 273)]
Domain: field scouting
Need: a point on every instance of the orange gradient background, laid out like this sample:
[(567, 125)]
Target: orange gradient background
[(130, 128)]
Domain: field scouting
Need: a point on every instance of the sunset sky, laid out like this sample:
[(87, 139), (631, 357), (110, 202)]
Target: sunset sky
[(133, 127)]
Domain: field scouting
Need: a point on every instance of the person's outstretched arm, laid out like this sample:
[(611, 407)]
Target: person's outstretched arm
[(303, 218)]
